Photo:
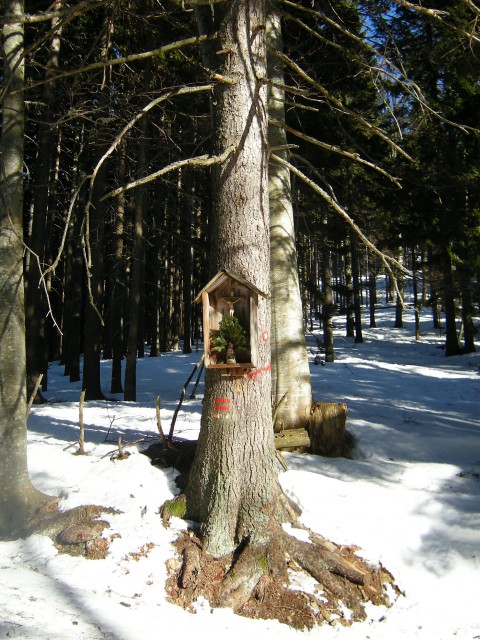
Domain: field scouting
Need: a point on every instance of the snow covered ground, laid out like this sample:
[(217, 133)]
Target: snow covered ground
[(410, 499)]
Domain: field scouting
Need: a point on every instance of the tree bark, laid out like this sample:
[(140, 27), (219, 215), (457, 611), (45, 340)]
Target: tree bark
[(290, 368), (233, 489), (467, 316), (452, 347), (328, 306), (136, 281), (94, 308), (349, 296), (416, 299), (187, 226), (35, 303), (117, 283), (398, 298), (18, 496), (356, 288)]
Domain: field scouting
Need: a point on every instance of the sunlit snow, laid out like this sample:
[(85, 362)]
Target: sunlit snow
[(410, 499)]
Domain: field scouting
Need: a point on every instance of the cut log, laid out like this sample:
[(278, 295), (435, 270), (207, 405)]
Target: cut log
[(326, 428), (292, 439)]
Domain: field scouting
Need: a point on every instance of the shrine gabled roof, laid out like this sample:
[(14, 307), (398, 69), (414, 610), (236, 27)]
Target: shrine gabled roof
[(221, 277)]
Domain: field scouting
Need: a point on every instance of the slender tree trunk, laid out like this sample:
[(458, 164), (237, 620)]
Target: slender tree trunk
[(138, 258), (118, 283), (356, 288), (233, 488), (18, 496), (94, 306), (416, 301), (290, 369), (35, 305), (187, 226), (349, 296), (467, 315), (452, 347), (156, 292), (327, 299), (74, 274), (398, 301), (372, 285)]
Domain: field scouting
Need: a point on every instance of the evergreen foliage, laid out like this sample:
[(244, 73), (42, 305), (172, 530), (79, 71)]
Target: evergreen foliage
[(229, 331)]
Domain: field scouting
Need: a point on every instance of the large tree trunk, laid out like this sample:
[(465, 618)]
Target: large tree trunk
[(233, 488), (290, 369), (18, 495)]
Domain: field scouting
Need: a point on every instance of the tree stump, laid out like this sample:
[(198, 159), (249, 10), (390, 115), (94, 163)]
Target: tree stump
[(327, 431)]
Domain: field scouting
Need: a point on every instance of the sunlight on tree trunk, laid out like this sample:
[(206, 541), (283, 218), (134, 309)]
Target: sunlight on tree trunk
[(233, 488), (17, 495), (290, 369)]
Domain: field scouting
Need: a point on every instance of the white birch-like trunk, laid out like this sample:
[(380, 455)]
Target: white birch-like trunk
[(290, 368), (233, 489)]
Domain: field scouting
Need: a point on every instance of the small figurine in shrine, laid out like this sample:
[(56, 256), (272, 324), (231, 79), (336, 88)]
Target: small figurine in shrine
[(231, 301), (230, 354)]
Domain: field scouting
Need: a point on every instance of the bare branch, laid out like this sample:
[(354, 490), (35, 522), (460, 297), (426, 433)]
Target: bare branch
[(170, 94), (87, 257), (435, 14), (339, 105), (56, 262), (199, 161), (197, 3), (102, 64), (386, 259), (330, 147), (45, 16), (396, 74), (439, 15)]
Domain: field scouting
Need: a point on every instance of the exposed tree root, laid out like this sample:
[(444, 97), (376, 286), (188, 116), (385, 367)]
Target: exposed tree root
[(76, 531), (258, 580)]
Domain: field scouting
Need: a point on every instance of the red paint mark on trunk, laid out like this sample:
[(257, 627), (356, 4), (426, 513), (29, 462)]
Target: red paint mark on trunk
[(221, 407), (257, 372)]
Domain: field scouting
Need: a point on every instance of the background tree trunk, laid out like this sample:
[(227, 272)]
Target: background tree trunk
[(117, 283), (290, 369), (35, 303), (94, 307), (356, 287)]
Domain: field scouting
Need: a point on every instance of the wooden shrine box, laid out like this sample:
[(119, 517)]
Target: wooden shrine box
[(229, 294)]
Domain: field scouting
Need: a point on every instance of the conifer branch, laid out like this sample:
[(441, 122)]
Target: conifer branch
[(396, 74), (386, 259), (102, 64), (339, 105), (330, 147), (45, 16)]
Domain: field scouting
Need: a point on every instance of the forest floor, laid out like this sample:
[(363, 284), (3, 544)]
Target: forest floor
[(408, 502)]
